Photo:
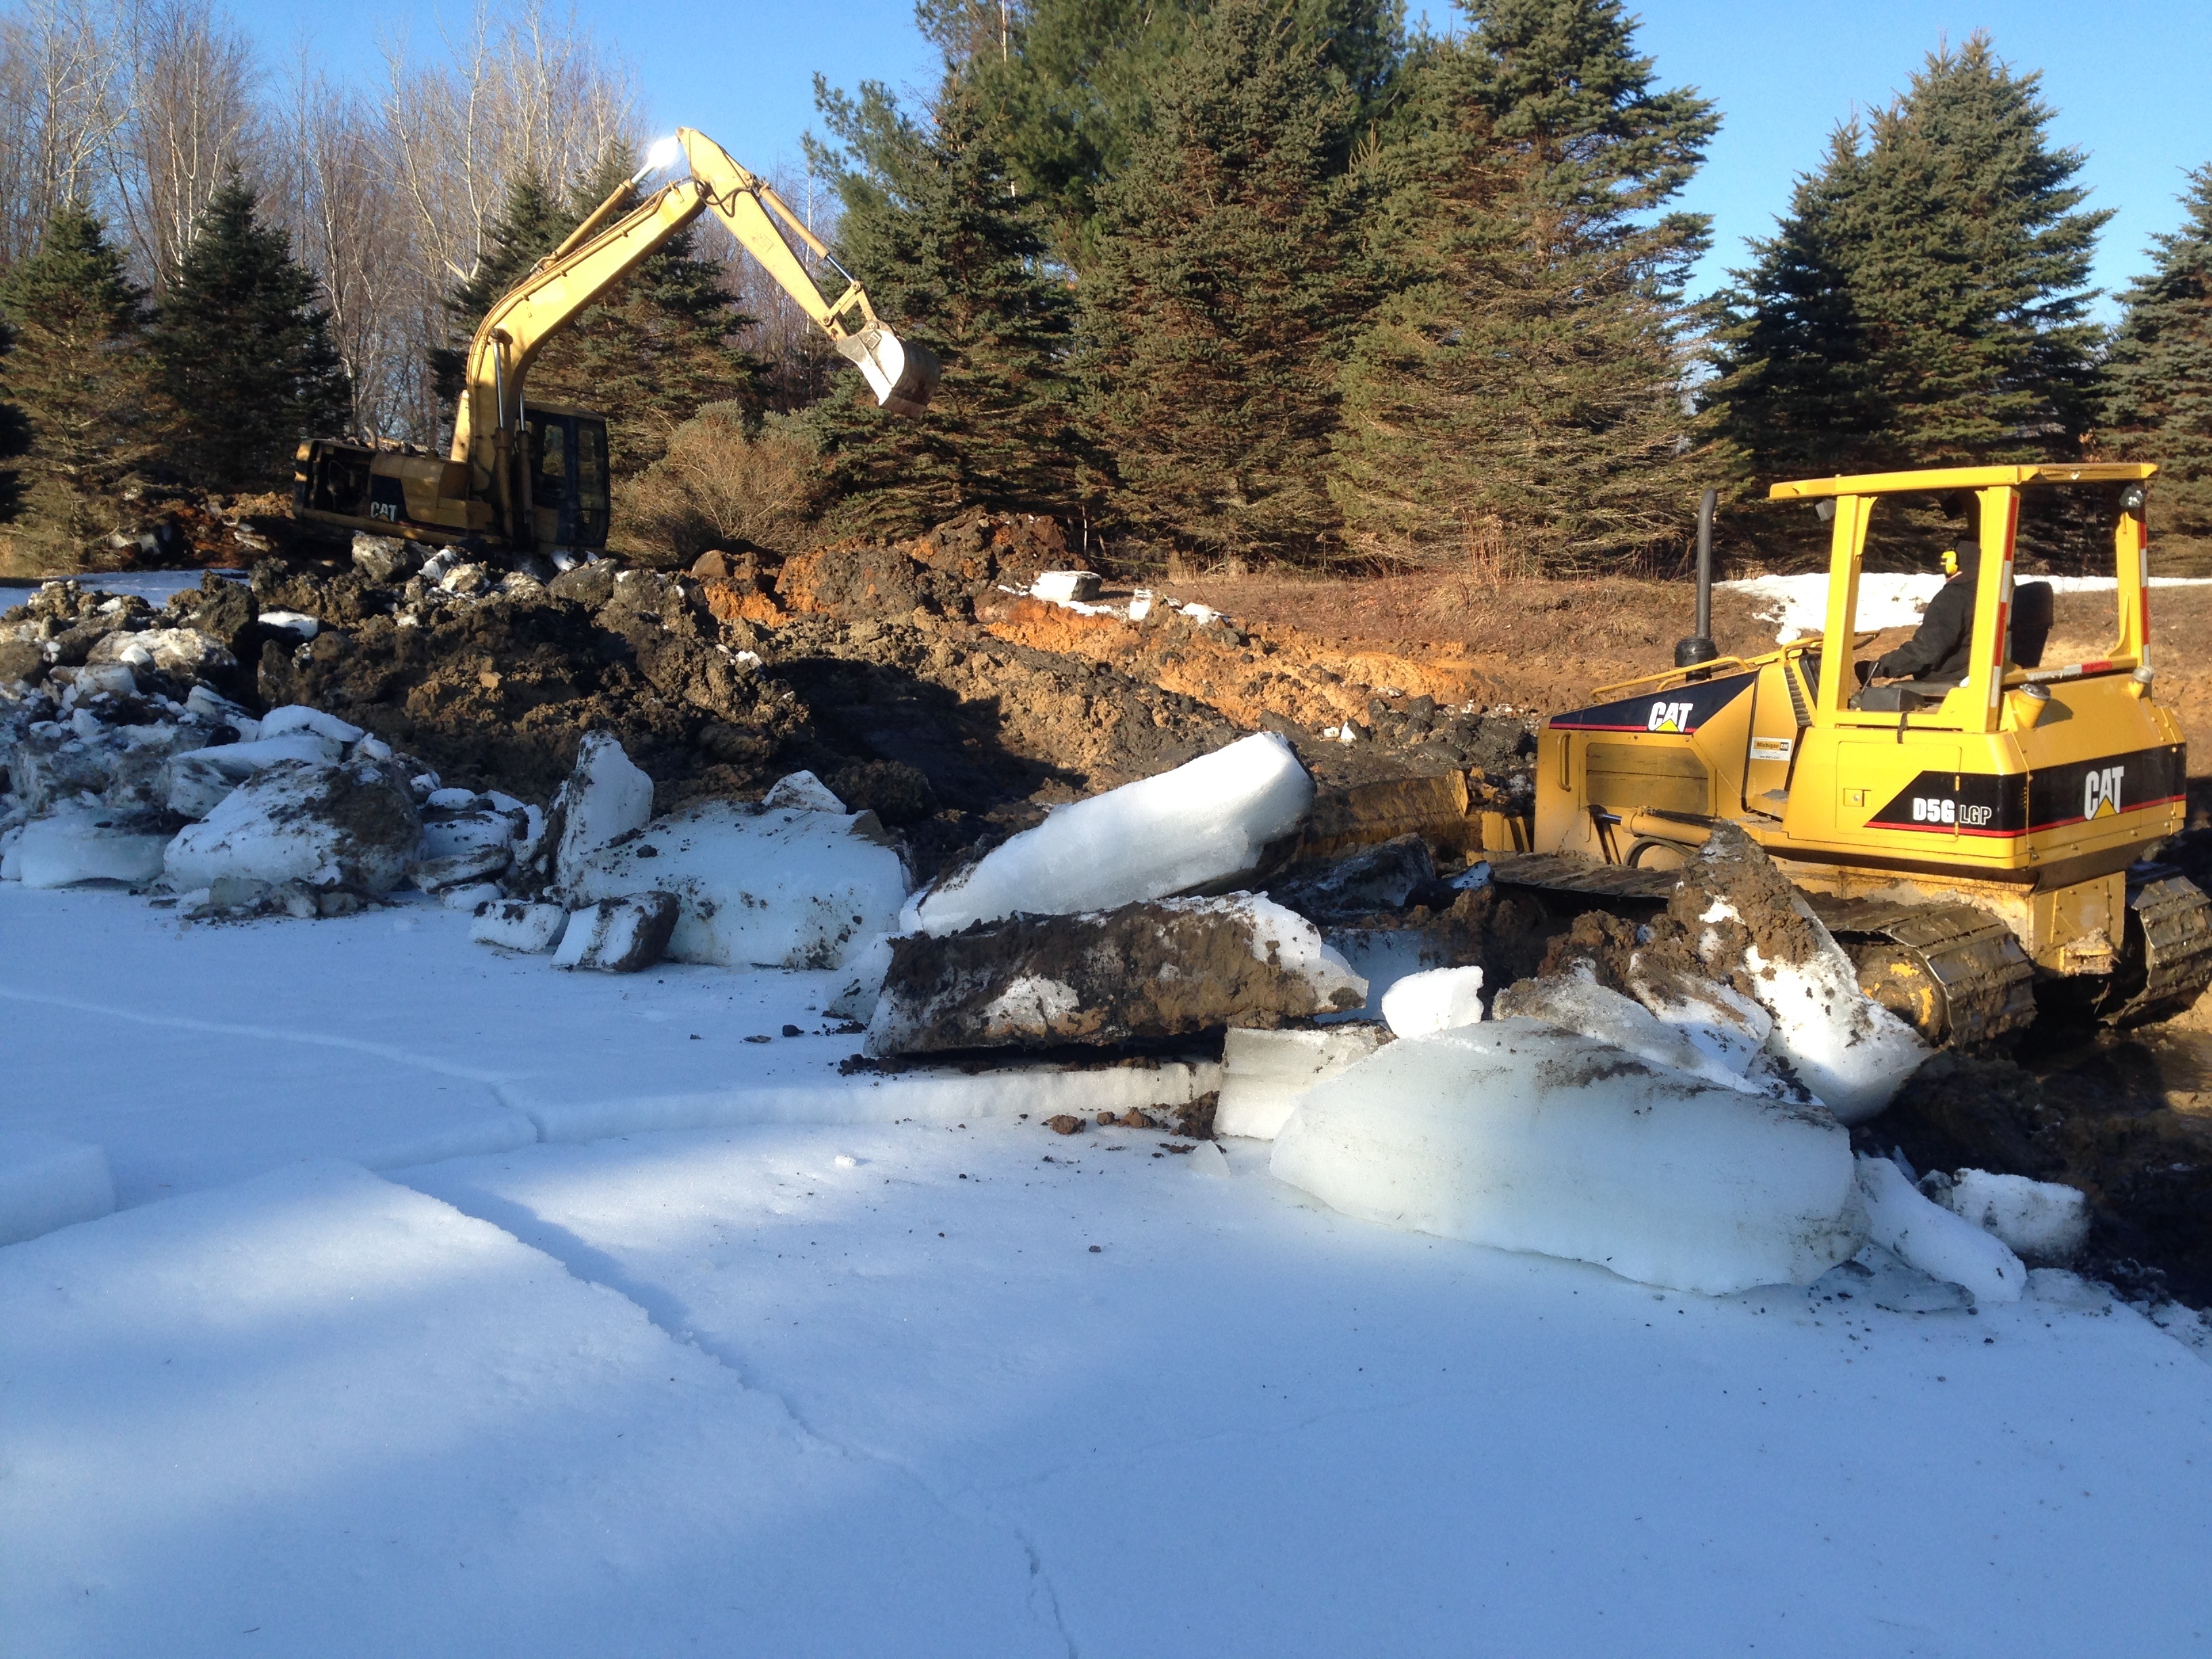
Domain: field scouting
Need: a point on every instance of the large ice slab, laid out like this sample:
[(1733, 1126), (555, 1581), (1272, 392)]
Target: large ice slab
[(1900, 1217), (1264, 1074), (788, 888), (352, 825), (1515, 1135), (1202, 823), (76, 842)]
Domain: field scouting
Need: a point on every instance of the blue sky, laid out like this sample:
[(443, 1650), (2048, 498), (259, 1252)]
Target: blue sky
[(2125, 77)]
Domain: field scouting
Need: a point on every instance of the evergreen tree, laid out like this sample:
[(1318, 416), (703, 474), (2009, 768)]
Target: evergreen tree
[(1956, 260), (243, 352), (80, 374), (953, 261), (1227, 279), (1066, 85), (531, 224), (14, 436), (1521, 385), (2158, 376), (648, 356)]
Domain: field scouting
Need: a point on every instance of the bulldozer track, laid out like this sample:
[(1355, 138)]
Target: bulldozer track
[(2170, 923), (1955, 971)]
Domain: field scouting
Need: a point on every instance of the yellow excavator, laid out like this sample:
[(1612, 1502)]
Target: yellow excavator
[(1980, 843), (533, 477)]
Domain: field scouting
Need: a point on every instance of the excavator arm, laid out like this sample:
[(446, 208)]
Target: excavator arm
[(619, 235)]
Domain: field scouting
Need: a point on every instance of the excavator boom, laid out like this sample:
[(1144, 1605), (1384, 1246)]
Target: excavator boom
[(486, 486)]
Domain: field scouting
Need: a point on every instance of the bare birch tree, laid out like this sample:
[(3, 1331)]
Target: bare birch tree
[(63, 92), (193, 118)]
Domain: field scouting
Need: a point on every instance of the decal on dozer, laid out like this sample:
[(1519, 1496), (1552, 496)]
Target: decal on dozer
[(2021, 803), (1681, 709)]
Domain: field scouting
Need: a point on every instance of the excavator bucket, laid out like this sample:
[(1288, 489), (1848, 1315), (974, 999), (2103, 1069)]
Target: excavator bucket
[(901, 376)]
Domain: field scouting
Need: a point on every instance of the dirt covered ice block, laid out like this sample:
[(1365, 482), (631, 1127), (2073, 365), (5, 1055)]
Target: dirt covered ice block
[(605, 796), (1265, 1073), (1521, 1136), (619, 936), (2042, 1222), (350, 825), (1751, 928), (1169, 967), (1202, 823), (516, 926), (1575, 1002)]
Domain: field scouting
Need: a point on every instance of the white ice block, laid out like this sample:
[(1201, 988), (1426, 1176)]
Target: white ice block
[(1202, 823), (2040, 1221), (1264, 1074), (1514, 1134), (1421, 1005), (1943, 1245)]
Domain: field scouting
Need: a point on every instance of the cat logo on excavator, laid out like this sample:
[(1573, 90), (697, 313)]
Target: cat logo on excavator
[(1931, 823)]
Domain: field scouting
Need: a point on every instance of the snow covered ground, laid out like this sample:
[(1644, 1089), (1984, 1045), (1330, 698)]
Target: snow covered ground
[(1798, 606), (154, 586), (556, 1381)]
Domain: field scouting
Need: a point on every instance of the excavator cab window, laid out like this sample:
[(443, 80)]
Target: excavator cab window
[(569, 478)]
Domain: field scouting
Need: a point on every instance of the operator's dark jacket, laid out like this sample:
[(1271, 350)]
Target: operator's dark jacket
[(1941, 648)]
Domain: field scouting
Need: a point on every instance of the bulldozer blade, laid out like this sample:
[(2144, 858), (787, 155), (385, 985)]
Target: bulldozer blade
[(901, 376)]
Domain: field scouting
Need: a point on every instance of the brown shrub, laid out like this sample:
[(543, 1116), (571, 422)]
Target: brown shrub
[(725, 482)]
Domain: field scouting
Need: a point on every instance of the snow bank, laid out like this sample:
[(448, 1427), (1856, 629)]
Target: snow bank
[(47, 1182), (1512, 1135), (1421, 1005), (78, 843), (1201, 823), (1265, 1073), (787, 889), (603, 797), (1935, 1240), (2042, 1223)]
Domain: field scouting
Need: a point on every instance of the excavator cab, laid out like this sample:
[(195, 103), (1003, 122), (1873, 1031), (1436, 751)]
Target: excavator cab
[(566, 466), (1982, 844)]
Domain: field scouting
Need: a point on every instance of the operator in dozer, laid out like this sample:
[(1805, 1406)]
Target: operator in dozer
[(1940, 650)]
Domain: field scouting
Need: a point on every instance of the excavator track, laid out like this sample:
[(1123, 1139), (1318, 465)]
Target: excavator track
[(1955, 973), (2166, 961)]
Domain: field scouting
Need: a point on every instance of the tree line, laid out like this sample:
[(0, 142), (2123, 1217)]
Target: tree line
[(1252, 280)]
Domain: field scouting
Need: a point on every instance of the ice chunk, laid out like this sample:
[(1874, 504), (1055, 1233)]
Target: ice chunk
[(1265, 1073), (518, 926), (1062, 586), (78, 843), (200, 779), (352, 825), (1933, 1239), (1719, 1019), (1575, 1002), (1515, 1135), (298, 717), (860, 979), (113, 678), (448, 834), (1745, 918), (47, 1182), (788, 888), (2042, 1223), (298, 623), (803, 791), (1421, 1005), (1202, 823), (619, 936), (470, 896), (461, 869), (453, 800), (223, 711), (1206, 1158), (604, 796)]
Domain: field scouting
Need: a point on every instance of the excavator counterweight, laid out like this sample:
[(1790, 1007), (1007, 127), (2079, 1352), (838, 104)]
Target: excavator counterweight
[(536, 477)]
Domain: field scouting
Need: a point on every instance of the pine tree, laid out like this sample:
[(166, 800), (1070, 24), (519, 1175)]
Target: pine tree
[(1519, 393), (81, 376), (1227, 280), (14, 436), (529, 225), (1957, 261), (2157, 380), (953, 261), (1066, 85), (243, 352)]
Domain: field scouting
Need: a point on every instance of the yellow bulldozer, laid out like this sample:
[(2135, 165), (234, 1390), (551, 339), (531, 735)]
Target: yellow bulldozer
[(1981, 842), (534, 478)]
